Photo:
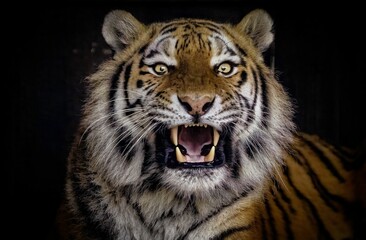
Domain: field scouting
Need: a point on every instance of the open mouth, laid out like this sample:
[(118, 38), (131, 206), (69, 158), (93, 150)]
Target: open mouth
[(195, 146)]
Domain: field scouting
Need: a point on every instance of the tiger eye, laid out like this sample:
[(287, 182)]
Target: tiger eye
[(224, 68), (161, 69)]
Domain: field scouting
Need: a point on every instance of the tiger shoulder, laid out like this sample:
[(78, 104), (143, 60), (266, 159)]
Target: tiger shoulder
[(187, 134)]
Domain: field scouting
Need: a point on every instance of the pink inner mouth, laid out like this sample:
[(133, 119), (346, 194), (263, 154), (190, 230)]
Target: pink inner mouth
[(193, 139)]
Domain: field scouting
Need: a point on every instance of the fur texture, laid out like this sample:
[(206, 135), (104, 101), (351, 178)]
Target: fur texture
[(125, 178)]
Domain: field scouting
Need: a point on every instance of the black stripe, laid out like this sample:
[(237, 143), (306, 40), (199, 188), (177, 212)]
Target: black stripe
[(154, 182), (144, 73), (323, 191), (234, 161), (141, 64), (125, 83), (271, 220), (285, 218), (243, 78), (321, 228), (218, 211), (148, 162), (225, 47), (172, 24), (176, 212), (245, 106), (143, 48), (126, 192), (246, 101), (242, 51), (168, 30), (152, 53), (139, 83), (113, 90), (347, 164), (231, 231), (92, 228), (254, 145), (212, 27), (204, 23), (201, 42), (265, 107), (191, 206), (230, 51), (124, 145), (348, 160), (264, 228), (83, 196), (137, 209), (286, 199), (325, 160), (123, 140), (251, 109)]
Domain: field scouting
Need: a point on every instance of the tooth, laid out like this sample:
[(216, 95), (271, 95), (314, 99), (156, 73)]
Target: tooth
[(180, 157), (205, 125), (216, 137), (211, 155), (174, 135), (185, 125)]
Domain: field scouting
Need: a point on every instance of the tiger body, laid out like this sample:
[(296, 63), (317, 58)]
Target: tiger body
[(186, 134)]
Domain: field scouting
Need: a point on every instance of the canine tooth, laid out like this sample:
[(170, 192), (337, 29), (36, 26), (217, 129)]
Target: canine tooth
[(174, 135), (205, 125), (215, 137), (185, 125), (180, 157), (211, 155)]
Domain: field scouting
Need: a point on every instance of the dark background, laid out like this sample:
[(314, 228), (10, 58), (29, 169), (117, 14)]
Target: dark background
[(319, 57)]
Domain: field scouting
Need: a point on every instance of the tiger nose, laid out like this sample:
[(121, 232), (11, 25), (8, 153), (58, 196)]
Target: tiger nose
[(196, 105)]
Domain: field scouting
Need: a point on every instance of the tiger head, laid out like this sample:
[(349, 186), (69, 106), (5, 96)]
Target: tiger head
[(187, 105)]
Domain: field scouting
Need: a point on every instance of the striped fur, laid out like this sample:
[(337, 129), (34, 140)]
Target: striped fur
[(271, 184)]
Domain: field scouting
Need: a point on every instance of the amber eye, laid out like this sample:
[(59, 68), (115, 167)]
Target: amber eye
[(161, 69), (225, 68)]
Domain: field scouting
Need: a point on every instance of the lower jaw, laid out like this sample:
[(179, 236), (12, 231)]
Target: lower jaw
[(171, 162)]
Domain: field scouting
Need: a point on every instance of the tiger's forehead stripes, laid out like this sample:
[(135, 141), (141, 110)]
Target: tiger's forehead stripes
[(196, 23), (200, 37)]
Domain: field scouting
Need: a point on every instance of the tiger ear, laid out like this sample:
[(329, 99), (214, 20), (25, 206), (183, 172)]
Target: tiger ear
[(258, 26), (120, 28)]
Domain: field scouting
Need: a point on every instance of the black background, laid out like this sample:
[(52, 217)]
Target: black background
[(319, 57)]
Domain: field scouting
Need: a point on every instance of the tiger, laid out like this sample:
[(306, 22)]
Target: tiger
[(186, 133)]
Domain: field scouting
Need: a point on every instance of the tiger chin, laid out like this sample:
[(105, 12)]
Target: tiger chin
[(187, 134)]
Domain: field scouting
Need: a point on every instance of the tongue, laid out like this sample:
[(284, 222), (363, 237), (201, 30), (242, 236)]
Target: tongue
[(193, 139)]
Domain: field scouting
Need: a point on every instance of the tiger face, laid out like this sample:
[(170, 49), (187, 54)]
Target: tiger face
[(191, 105)]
